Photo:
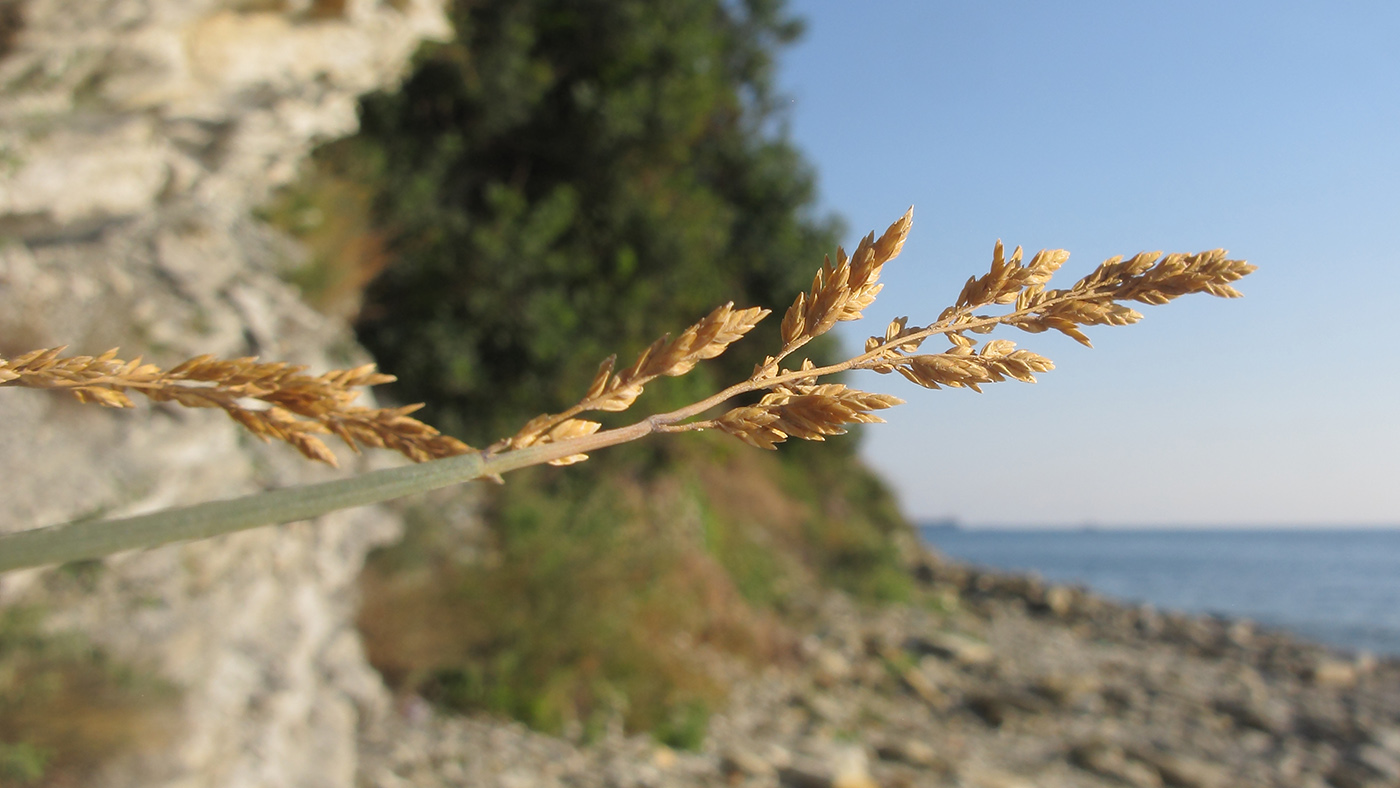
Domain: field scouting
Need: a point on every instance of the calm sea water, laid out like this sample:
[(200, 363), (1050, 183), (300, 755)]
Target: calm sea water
[(1340, 587)]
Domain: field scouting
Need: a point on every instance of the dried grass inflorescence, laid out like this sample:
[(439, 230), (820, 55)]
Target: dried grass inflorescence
[(616, 391), (795, 403), (273, 400)]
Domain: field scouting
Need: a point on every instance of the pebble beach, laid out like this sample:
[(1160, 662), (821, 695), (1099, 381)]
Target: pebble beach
[(994, 681)]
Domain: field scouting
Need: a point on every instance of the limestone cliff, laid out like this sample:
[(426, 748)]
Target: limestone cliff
[(136, 137)]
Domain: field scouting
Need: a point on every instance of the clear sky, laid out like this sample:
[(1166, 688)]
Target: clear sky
[(1270, 129)]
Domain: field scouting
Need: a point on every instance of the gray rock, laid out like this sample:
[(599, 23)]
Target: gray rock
[(1066, 690), (1061, 600), (1183, 771), (958, 647), (1368, 766), (137, 138), (836, 766), (1268, 715), (914, 752), (1109, 760), (739, 761), (1388, 739), (830, 667), (1334, 673), (977, 777)]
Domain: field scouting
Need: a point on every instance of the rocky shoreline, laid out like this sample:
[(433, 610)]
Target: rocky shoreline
[(997, 681)]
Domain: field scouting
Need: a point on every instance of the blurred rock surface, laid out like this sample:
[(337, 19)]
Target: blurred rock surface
[(136, 139)]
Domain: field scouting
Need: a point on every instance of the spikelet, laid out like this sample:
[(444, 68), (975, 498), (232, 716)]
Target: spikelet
[(842, 291), (1147, 278), (809, 412), (961, 368), (674, 357), (1008, 277), (272, 400), (667, 357)]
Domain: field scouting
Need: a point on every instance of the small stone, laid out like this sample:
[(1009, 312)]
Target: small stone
[(1271, 717), (911, 751), (1334, 673), (738, 761), (830, 667), (1109, 760), (1178, 770), (991, 778), (1388, 739), (960, 648), (839, 766), (825, 707), (1380, 762), (1059, 600), (664, 757), (920, 684), (1064, 690), (850, 768)]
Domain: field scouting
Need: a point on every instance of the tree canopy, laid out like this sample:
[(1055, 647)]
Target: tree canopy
[(572, 178)]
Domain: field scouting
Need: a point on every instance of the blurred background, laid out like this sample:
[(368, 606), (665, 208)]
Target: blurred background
[(1108, 129), (488, 197)]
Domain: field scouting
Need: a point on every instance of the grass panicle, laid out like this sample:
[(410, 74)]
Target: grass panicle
[(272, 400), (276, 400)]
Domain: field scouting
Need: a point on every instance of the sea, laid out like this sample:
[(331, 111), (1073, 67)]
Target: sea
[(1336, 586)]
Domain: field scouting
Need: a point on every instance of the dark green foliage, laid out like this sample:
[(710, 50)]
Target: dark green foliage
[(571, 179), (567, 180)]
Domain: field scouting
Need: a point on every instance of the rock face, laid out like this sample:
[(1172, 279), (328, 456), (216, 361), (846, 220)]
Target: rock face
[(136, 137)]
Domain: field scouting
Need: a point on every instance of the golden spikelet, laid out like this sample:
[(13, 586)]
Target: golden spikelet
[(809, 412), (668, 357), (272, 400), (841, 292)]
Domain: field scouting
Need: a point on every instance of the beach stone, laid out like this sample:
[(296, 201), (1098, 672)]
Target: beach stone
[(1388, 739), (825, 707), (1271, 716), (993, 778), (1182, 771), (745, 763), (1327, 723), (1065, 690), (850, 767), (919, 683), (958, 647), (1109, 760), (1060, 600), (1334, 673), (830, 667), (1380, 761), (1241, 633), (913, 752), (839, 766)]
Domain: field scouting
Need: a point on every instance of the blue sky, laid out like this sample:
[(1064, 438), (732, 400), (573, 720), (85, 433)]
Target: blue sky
[(1269, 129)]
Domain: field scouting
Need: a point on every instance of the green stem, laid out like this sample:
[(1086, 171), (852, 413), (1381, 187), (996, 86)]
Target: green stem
[(85, 539)]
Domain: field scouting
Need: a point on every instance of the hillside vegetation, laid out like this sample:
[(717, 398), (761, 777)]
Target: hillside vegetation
[(564, 181)]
